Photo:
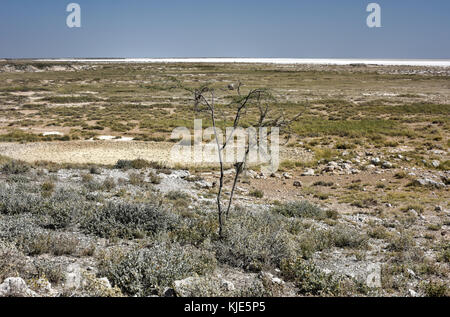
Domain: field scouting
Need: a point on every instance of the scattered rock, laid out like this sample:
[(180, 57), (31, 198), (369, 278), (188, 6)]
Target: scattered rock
[(179, 174), (435, 163), (375, 161), (287, 176), (203, 184), (438, 208), (251, 173), (182, 287), (105, 282), (411, 272), (308, 172), (269, 276), (412, 293), (387, 165), (228, 286), (73, 277), (297, 184), (15, 287), (429, 183)]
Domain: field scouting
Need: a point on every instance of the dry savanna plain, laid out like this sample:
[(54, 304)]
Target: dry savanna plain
[(92, 205)]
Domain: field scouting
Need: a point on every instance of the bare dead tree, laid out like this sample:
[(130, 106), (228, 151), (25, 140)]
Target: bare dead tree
[(261, 102)]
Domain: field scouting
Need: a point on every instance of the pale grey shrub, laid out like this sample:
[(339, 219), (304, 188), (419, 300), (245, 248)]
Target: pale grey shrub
[(255, 240), (148, 271), (129, 220)]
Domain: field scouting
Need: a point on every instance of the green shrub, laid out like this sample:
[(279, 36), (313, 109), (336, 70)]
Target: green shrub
[(154, 178), (436, 289), (15, 167), (148, 271), (109, 183), (196, 229), (403, 242), (47, 243), (12, 261), (136, 164), (63, 209), (255, 241), (123, 164), (347, 237), (177, 195), (94, 170), (136, 179), (17, 200), (127, 220), (257, 193), (47, 188), (51, 270), (303, 209), (308, 279)]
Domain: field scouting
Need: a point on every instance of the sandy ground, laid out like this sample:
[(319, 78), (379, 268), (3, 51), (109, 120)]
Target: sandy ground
[(109, 152)]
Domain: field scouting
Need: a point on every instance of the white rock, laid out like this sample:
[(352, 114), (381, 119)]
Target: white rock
[(73, 277), (436, 163), (387, 164), (375, 161), (308, 172), (228, 286), (204, 184), (411, 272), (429, 182), (179, 174), (412, 293), (15, 287)]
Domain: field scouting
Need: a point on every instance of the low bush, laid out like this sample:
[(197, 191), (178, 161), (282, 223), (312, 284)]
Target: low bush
[(255, 241), (136, 164), (128, 220), (109, 183), (154, 178), (308, 279), (136, 179), (15, 167), (303, 209), (346, 237), (257, 193), (12, 261), (436, 289), (17, 200), (148, 271), (51, 270)]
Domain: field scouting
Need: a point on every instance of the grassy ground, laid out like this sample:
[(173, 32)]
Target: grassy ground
[(148, 101)]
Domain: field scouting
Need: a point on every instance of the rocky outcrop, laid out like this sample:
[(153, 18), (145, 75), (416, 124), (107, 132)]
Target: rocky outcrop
[(15, 287)]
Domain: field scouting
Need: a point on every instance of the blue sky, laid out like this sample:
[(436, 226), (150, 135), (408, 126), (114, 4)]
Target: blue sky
[(231, 28)]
